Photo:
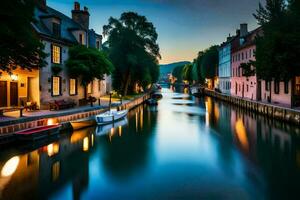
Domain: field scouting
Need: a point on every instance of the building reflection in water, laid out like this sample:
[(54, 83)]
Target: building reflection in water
[(241, 134), (42, 172), (271, 144)]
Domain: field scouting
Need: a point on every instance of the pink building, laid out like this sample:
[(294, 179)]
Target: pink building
[(283, 93), (243, 50)]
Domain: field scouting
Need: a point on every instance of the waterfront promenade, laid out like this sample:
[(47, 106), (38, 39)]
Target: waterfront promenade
[(12, 122)]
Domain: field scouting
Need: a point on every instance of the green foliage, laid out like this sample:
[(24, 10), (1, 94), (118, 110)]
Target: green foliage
[(248, 68), (178, 73), (187, 73), (56, 68), (208, 62), (277, 51), (19, 45), (133, 51), (88, 64)]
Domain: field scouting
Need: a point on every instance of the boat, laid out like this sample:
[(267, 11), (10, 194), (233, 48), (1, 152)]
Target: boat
[(37, 132), (110, 116), (157, 95), (151, 102), (197, 91), (104, 129), (83, 123)]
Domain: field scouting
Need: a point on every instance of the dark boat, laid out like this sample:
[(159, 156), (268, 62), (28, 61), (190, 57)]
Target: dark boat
[(37, 132), (151, 102), (157, 96)]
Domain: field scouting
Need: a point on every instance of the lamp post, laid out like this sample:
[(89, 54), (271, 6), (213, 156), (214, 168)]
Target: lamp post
[(110, 93), (121, 100)]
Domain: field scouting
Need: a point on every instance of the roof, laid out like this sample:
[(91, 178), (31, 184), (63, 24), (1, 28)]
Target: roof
[(249, 40), (67, 25)]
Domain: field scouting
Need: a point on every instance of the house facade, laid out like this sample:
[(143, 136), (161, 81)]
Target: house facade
[(284, 93), (225, 66), (243, 51), (59, 32)]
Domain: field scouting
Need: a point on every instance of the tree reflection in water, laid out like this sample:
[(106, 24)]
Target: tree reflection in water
[(126, 155)]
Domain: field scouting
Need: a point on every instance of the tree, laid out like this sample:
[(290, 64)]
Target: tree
[(133, 50), (209, 62), (248, 68), (88, 64), (278, 49), (178, 73), (19, 45), (187, 72)]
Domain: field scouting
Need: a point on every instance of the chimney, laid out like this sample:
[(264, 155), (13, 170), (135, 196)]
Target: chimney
[(41, 4), (229, 38), (82, 17), (244, 29), (76, 5)]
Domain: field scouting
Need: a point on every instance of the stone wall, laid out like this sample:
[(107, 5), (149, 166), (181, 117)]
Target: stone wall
[(31, 122), (272, 111)]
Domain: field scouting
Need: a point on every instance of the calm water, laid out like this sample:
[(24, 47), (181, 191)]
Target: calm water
[(186, 148)]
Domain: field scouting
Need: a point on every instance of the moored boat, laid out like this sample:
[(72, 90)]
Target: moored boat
[(104, 129), (37, 132), (83, 123), (110, 116), (151, 102)]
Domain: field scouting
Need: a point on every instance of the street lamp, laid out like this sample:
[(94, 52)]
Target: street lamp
[(110, 94), (121, 101), (14, 77)]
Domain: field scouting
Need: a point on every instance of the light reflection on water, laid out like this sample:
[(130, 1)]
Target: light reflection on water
[(207, 149)]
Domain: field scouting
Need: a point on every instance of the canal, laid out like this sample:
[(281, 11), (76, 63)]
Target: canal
[(185, 148)]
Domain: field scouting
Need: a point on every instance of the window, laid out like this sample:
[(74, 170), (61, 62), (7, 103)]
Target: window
[(56, 54), (267, 86), (297, 88), (246, 54), (243, 56), (250, 53), (247, 88), (98, 44), (56, 85), (89, 88), (56, 29), (276, 87), (81, 38), (286, 87), (73, 86)]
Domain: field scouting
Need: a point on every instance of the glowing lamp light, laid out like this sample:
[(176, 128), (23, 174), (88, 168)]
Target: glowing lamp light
[(14, 77), (52, 149), (10, 166), (85, 144), (51, 122)]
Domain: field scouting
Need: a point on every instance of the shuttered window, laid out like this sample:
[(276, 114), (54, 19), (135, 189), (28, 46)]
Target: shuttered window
[(56, 86)]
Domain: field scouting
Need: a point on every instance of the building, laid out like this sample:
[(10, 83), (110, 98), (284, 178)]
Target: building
[(284, 93), (225, 66), (59, 32), (243, 51)]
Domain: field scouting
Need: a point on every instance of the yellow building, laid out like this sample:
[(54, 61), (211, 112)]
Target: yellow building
[(19, 87)]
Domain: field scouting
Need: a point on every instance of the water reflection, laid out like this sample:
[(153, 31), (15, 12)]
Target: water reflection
[(194, 148)]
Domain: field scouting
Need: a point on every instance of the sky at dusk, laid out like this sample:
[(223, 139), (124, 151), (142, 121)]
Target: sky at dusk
[(184, 26)]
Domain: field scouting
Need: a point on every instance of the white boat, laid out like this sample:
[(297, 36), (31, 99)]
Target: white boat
[(104, 129), (110, 116)]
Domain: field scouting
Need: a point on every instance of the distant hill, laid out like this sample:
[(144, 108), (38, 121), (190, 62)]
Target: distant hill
[(168, 68)]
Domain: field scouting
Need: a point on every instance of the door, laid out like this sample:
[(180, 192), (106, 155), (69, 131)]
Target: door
[(259, 91), (13, 94), (243, 91), (3, 93)]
